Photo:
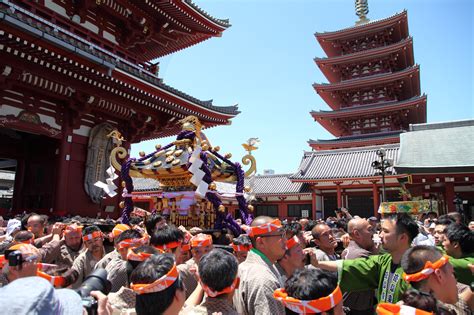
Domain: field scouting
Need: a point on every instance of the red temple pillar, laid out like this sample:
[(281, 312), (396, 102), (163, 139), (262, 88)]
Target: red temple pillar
[(339, 194), (281, 208), (449, 196), (313, 203), (64, 156), (375, 196)]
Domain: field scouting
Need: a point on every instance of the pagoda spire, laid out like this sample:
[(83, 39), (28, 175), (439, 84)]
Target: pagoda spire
[(362, 9)]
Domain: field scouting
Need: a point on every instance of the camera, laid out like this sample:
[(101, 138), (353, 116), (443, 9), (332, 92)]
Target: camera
[(96, 281), (15, 259)]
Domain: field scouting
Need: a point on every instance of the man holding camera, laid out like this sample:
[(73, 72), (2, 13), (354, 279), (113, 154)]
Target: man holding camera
[(21, 261)]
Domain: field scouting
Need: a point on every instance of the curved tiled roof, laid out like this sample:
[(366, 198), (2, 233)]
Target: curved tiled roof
[(278, 184), (369, 24), (356, 138), (263, 185), (342, 163), (221, 22), (74, 42)]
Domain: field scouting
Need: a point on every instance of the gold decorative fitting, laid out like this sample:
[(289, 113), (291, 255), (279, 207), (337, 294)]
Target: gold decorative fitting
[(178, 152), (221, 208), (228, 155), (141, 153), (122, 204), (205, 147), (217, 148), (250, 207), (212, 186), (158, 146), (169, 152), (169, 159), (175, 162), (247, 189), (124, 184), (157, 164)]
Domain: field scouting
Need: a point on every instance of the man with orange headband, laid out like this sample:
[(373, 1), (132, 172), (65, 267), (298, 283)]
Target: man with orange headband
[(311, 291), (201, 244), (72, 246), (258, 274), (427, 270), (218, 278), (30, 256), (158, 286), (116, 231), (168, 238), (293, 259), (84, 263), (241, 246)]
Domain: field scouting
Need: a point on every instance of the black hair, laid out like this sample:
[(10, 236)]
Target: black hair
[(463, 235), (455, 216), (137, 250), (292, 229), (405, 225), (166, 234), (127, 234), (149, 271), (242, 239), (424, 301), (151, 221), (23, 236), (24, 221), (135, 221), (90, 229), (444, 220), (312, 284), (218, 269), (415, 258)]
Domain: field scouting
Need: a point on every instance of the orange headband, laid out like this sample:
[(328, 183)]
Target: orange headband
[(229, 289), (292, 242), (264, 228), (131, 255), (3, 260), (118, 229), (91, 236), (56, 281), (171, 245), (159, 285), (395, 309), (133, 242), (201, 240), (241, 248), (185, 247), (312, 306), (427, 270), (73, 228)]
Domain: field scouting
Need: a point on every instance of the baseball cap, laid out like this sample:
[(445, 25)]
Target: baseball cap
[(36, 296)]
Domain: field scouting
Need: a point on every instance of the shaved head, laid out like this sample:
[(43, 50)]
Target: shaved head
[(356, 224), (261, 220)]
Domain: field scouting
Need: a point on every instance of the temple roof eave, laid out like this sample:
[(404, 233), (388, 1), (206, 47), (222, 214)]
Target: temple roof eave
[(364, 54), (116, 64), (375, 24), (371, 108)]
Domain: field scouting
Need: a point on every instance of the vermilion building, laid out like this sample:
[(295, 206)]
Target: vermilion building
[(73, 71), (373, 93)]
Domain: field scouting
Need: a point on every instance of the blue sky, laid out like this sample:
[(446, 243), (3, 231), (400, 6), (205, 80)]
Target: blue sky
[(264, 63)]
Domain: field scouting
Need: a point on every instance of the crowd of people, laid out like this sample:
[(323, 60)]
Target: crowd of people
[(343, 265)]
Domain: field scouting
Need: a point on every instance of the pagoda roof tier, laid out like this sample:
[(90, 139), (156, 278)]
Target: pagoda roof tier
[(140, 30), (403, 51), (118, 90), (352, 141), (332, 93), (335, 121), (352, 163), (331, 42)]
